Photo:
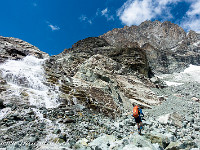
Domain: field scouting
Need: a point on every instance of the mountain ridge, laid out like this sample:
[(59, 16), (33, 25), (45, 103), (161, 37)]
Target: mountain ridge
[(170, 48)]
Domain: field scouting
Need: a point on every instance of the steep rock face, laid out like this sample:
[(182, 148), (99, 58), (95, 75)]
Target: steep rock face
[(98, 72), (168, 47), (99, 83), (13, 48), (132, 56), (104, 77), (160, 35)]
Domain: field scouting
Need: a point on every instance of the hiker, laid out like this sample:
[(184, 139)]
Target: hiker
[(137, 112)]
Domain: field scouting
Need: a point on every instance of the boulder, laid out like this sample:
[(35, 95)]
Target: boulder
[(172, 118), (174, 146), (102, 142), (162, 139), (181, 145), (81, 144)]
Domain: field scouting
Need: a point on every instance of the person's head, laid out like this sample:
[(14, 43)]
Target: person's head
[(133, 104)]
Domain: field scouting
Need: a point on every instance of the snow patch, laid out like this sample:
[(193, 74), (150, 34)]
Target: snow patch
[(173, 83), (190, 74)]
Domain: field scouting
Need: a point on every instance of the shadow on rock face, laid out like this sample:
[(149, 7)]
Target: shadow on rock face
[(1, 104)]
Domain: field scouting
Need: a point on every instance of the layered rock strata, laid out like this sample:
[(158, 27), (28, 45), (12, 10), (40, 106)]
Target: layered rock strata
[(168, 47)]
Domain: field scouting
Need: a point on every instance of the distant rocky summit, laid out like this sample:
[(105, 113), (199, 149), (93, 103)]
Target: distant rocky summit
[(81, 98), (168, 47)]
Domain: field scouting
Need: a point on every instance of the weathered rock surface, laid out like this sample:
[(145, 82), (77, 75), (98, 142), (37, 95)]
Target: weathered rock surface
[(13, 48), (100, 83), (134, 58), (168, 47), (104, 77)]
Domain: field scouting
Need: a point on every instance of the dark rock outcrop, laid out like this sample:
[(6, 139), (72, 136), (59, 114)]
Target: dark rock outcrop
[(13, 48), (1, 104), (133, 57)]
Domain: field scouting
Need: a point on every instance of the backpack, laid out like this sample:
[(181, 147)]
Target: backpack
[(136, 111)]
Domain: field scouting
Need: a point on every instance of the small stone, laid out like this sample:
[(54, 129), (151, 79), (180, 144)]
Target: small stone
[(184, 124), (63, 136), (33, 139), (57, 131), (58, 140), (68, 120), (119, 137), (125, 142), (69, 113), (72, 142), (196, 128), (97, 148)]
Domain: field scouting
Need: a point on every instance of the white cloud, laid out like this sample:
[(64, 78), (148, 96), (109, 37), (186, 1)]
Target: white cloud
[(194, 9), (133, 12), (83, 18), (53, 28), (192, 19), (191, 24), (90, 21), (105, 13)]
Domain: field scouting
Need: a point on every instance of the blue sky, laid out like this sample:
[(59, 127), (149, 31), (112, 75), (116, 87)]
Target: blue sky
[(53, 25)]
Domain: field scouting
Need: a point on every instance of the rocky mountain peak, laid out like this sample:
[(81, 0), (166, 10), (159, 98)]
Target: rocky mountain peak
[(90, 43), (160, 35), (164, 43)]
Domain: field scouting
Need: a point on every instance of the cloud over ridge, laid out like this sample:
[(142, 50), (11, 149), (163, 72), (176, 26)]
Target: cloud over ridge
[(192, 18), (133, 12)]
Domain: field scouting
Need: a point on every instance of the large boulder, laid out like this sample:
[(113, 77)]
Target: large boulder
[(181, 145), (172, 118)]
